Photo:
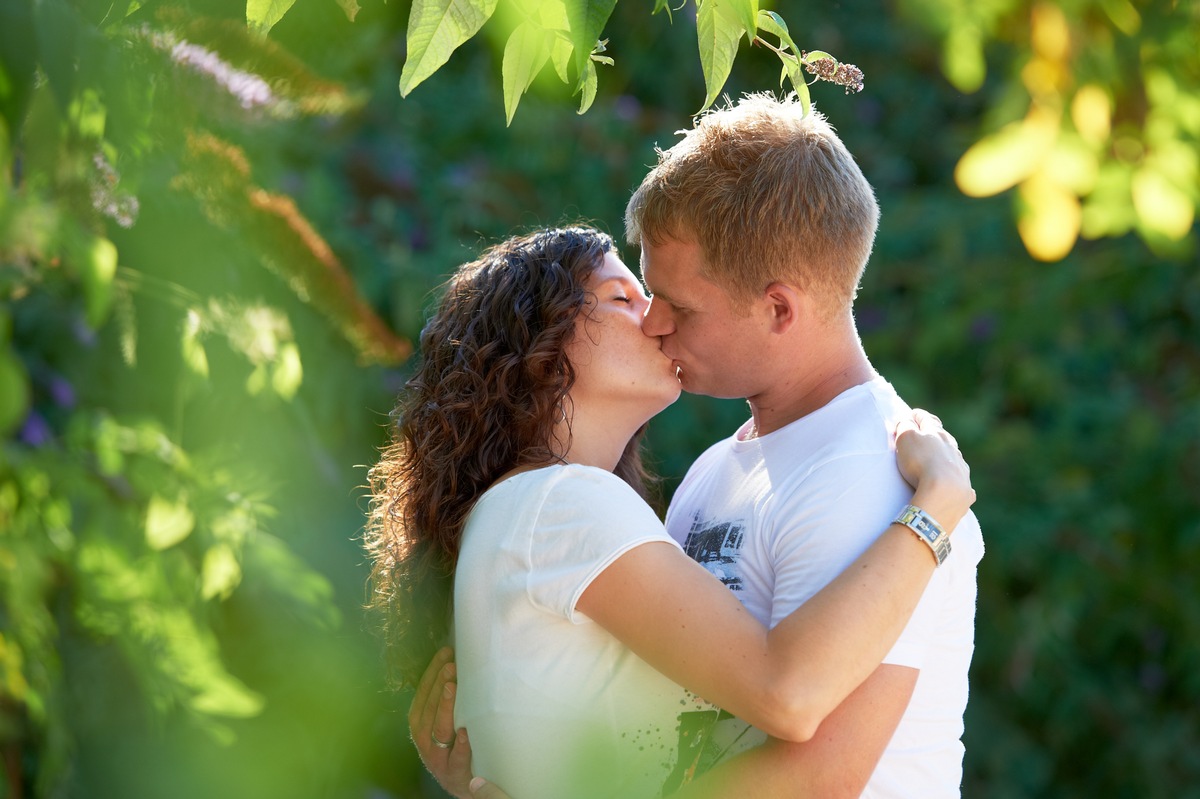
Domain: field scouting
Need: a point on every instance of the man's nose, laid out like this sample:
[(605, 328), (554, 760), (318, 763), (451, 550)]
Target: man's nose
[(656, 321)]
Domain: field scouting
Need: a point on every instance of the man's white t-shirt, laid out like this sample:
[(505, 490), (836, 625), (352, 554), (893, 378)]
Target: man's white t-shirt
[(556, 706), (776, 518)]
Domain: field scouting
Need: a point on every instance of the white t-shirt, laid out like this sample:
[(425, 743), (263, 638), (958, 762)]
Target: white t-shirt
[(776, 518), (556, 706)]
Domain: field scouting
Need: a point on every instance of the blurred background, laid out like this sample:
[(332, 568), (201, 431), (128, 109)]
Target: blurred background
[(216, 248)]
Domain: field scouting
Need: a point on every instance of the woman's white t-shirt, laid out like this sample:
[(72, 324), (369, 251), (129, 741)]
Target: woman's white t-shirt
[(556, 706)]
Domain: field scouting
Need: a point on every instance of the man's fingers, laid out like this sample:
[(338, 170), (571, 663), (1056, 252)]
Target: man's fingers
[(433, 703), (459, 761), (443, 722), (482, 789), (425, 684)]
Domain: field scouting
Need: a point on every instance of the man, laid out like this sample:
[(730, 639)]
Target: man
[(754, 233)]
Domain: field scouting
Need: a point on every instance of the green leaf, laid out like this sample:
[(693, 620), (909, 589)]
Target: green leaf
[(815, 55), (350, 7), (586, 20), (718, 31), (58, 36), (14, 391), (587, 85), (560, 54), (436, 28), (746, 13), (220, 573), (772, 23), (97, 265), (287, 373), (194, 356), (18, 60), (525, 54), (167, 522), (261, 15)]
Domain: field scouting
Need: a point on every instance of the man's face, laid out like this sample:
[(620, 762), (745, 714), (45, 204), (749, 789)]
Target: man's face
[(715, 347)]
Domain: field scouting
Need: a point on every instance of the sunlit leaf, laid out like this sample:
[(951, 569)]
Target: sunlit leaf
[(228, 697), (1006, 157), (97, 264), (351, 7), (962, 58), (1091, 112), (287, 373), (774, 24), (746, 12), (718, 30), (525, 54), (220, 573), (167, 522), (1161, 206), (261, 15), (587, 86), (194, 356), (436, 28), (586, 19), (1048, 218)]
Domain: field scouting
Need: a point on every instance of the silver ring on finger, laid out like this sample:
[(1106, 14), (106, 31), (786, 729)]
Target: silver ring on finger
[(441, 744)]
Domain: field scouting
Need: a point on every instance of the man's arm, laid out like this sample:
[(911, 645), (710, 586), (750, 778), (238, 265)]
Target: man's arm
[(835, 764)]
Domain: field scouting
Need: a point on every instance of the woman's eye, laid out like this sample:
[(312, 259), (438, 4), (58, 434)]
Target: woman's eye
[(623, 299)]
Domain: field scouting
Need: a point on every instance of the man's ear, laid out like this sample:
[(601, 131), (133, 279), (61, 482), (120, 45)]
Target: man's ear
[(785, 305)]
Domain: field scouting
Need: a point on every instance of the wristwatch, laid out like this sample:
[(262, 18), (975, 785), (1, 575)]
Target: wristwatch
[(927, 530)]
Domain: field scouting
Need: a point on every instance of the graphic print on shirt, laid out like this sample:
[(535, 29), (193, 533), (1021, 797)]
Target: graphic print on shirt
[(717, 546)]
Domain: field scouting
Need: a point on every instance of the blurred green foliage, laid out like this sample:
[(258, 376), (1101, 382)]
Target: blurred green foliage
[(215, 248)]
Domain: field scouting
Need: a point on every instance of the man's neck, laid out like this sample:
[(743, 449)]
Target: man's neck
[(811, 384)]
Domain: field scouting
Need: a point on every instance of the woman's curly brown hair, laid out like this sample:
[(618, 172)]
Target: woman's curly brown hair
[(492, 380)]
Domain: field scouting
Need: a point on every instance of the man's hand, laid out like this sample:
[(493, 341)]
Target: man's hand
[(482, 789), (445, 753)]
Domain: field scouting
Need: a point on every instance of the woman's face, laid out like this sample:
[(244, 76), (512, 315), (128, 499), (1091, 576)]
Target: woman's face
[(619, 369)]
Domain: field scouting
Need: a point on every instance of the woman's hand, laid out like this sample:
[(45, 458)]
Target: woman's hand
[(445, 753), (929, 459)]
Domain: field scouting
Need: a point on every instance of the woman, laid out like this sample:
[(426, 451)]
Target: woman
[(515, 475)]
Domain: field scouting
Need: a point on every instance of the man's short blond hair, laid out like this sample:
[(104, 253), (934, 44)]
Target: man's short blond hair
[(769, 194)]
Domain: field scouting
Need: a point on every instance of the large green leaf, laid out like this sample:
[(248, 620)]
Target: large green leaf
[(435, 30), (718, 30), (586, 19), (18, 60), (261, 15), (527, 51)]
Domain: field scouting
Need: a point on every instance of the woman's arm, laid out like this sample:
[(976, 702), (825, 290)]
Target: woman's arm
[(673, 614)]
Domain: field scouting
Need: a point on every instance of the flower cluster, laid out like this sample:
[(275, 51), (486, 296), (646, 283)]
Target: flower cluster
[(834, 71)]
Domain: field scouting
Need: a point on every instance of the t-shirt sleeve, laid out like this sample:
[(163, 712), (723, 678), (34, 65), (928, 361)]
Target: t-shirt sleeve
[(821, 527), (588, 519)]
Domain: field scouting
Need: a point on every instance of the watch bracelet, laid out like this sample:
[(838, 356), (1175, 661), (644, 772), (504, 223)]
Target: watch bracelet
[(926, 529)]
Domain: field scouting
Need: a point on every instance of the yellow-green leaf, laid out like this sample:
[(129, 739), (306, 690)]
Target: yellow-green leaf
[(220, 573), (1049, 218), (962, 58), (587, 85), (436, 28), (167, 522), (97, 267), (525, 54), (287, 373), (1161, 206), (586, 20), (718, 31), (1005, 158), (261, 15)]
